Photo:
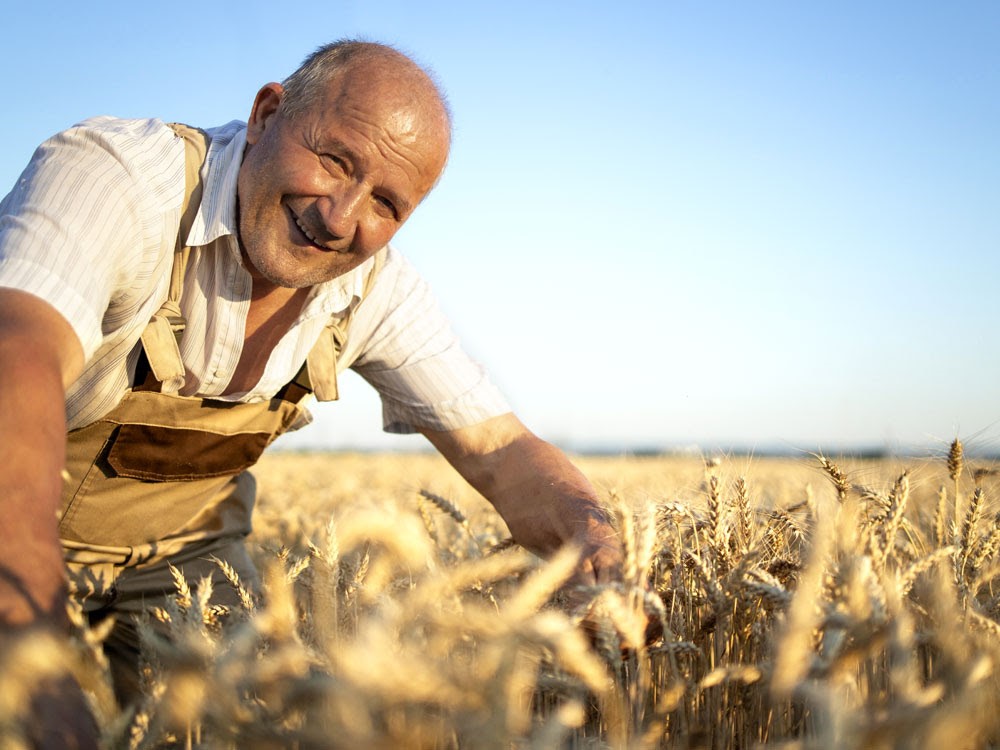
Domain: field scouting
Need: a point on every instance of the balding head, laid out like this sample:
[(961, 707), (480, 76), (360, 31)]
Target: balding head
[(354, 63)]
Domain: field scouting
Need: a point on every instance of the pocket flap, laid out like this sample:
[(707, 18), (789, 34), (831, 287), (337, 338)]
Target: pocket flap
[(164, 454)]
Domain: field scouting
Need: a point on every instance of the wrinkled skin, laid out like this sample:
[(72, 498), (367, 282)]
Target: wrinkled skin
[(321, 191)]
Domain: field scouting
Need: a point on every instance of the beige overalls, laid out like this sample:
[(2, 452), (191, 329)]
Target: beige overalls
[(163, 477)]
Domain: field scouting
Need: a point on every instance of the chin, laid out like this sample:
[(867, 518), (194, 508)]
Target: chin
[(299, 278)]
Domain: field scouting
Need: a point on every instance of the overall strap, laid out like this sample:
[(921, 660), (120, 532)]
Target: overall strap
[(196, 143), (161, 366)]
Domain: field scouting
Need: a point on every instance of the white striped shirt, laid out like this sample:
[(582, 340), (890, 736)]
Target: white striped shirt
[(90, 227)]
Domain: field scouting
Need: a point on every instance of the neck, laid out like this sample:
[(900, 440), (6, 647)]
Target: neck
[(273, 311)]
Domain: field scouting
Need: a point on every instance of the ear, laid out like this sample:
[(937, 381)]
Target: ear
[(265, 105)]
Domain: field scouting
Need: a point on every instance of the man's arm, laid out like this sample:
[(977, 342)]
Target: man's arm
[(541, 495), (39, 356)]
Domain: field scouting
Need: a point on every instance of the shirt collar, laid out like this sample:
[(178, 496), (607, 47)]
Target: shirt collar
[(217, 212), (217, 218)]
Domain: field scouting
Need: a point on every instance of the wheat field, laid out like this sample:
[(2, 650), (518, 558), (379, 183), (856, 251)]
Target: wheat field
[(767, 603)]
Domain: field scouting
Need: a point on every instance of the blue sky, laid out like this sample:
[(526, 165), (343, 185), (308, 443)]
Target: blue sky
[(729, 224)]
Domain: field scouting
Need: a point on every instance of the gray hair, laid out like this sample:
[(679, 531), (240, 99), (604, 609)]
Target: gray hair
[(308, 82)]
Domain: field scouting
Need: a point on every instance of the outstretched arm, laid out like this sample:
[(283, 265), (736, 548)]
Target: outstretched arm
[(544, 499)]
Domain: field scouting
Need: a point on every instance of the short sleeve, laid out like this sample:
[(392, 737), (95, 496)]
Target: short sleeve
[(402, 344), (82, 228)]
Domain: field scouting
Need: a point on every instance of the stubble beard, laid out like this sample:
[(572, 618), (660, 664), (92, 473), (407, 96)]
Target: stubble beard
[(269, 261), (277, 265), (280, 271)]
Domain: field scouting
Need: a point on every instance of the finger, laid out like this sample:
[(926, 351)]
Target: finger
[(606, 563)]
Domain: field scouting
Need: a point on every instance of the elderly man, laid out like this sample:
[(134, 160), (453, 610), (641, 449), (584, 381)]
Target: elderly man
[(168, 297)]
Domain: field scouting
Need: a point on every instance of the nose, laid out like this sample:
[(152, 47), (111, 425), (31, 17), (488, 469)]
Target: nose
[(340, 211)]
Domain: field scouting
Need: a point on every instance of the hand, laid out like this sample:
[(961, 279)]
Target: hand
[(602, 558), (50, 711), (602, 565), (59, 718)]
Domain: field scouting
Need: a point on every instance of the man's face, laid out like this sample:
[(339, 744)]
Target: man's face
[(319, 193)]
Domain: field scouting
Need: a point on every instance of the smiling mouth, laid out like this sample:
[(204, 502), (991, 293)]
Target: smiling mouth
[(311, 237)]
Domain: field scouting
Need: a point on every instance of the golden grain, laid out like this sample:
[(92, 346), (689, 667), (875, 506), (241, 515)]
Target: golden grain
[(848, 617)]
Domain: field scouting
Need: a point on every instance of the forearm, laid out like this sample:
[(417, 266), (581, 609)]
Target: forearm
[(543, 498), (39, 355), (32, 422)]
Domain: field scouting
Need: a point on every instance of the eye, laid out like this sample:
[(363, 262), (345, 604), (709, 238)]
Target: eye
[(333, 161), (386, 206)]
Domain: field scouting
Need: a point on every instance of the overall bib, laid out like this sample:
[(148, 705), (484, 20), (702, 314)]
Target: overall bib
[(162, 477)]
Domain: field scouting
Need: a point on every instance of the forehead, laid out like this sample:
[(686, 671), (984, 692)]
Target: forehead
[(386, 120)]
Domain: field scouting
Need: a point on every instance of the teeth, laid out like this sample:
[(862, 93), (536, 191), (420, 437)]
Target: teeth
[(306, 232)]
